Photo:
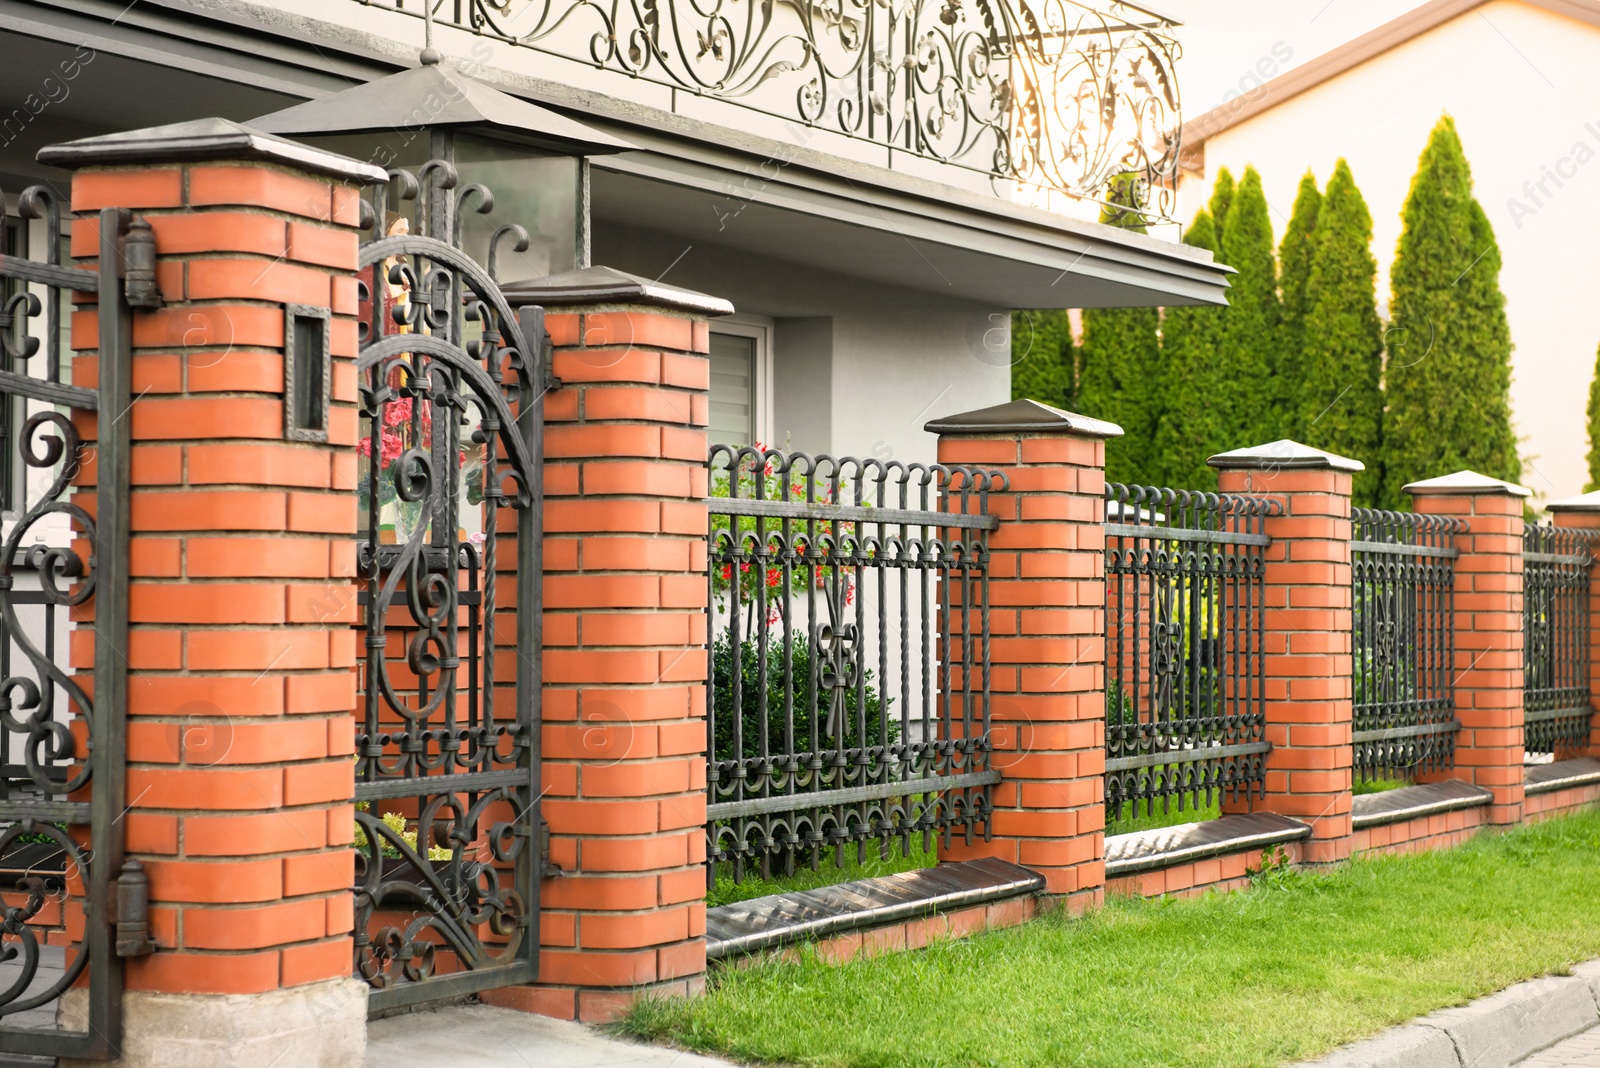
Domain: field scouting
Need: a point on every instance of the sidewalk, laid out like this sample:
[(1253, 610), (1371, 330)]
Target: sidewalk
[(1552, 1022), (477, 1036)]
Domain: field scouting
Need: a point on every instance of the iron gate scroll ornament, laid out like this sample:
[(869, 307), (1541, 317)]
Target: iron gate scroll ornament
[(849, 663), (62, 760), (447, 776)]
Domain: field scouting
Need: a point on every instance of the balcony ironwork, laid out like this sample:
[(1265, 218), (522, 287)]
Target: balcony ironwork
[(1049, 94)]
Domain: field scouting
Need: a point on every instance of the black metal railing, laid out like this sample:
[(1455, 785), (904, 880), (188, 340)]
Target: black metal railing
[(849, 657), (1185, 647), (1062, 94), (1403, 642), (1555, 638)]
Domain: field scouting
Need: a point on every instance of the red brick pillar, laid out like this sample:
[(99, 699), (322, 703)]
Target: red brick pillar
[(1047, 619), (1583, 513), (240, 654), (1309, 691), (624, 643), (1488, 622)]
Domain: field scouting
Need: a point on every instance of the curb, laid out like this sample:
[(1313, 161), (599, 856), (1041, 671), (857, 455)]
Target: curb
[(1493, 1032)]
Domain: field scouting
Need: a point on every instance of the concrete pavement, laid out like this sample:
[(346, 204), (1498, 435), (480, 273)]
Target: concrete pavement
[(477, 1036), (1579, 1051)]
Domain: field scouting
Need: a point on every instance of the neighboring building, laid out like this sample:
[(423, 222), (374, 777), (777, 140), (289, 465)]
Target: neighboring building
[(873, 270), (1520, 78)]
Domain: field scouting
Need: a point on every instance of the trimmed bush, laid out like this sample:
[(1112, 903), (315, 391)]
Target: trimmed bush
[(1448, 374), (1296, 254), (1042, 358), (1121, 380), (1192, 426), (1594, 429), (1221, 201), (1250, 390), (1341, 408)]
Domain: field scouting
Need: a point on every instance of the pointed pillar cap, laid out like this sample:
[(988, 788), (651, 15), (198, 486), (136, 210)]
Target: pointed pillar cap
[(436, 95), (1467, 483), (607, 285), (200, 140), (1023, 415), (1281, 454), (1586, 502)]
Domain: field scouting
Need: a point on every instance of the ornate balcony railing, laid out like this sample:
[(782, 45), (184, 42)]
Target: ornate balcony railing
[(1054, 94)]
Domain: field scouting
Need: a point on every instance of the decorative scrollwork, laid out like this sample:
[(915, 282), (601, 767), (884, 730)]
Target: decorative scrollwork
[(1556, 565), (1059, 94), (444, 874)]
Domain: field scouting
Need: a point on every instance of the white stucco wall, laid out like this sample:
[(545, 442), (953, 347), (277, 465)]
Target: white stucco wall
[(899, 357), (1524, 87)]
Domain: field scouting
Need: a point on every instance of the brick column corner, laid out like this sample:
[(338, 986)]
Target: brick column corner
[(624, 657), (1047, 622), (240, 653), (1583, 513), (1309, 689), (1488, 624)]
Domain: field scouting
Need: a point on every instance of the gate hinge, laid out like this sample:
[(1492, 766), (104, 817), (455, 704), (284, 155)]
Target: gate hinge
[(133, 912), (547, 870), (140, 286), (546, 360)]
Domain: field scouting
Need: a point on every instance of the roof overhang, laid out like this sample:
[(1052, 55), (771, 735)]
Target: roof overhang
[(821, 211)]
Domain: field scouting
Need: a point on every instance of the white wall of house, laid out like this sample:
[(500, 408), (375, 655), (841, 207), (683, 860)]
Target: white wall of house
[(1524, 87), (859, 366)]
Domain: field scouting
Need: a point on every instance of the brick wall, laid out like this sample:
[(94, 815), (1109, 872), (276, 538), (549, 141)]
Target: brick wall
[(240, 654), (624, 661)]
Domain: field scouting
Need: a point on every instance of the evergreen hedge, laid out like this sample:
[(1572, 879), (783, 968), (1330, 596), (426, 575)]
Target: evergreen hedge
[(1295, 256), (1249, 389), (1191, 427), (1448, 374), (1121, 380), (1042, 358), (1594, 429), (1341, 374), (1221, 201)]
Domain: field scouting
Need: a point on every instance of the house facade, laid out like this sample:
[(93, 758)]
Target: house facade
[(364, 361), (1517, 76)]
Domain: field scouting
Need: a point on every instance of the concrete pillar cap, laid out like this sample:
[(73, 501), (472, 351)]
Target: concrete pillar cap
[(1284, 453), (1020, 416), (1466, 483), (1584, 502), (607, 285)]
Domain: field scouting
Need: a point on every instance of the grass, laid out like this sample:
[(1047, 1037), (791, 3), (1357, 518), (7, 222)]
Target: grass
[(828, 872), (1379, 786), (1297, 965), (1195, 810)]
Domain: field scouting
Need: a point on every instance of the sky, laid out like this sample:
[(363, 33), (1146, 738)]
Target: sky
[(1225, 40)]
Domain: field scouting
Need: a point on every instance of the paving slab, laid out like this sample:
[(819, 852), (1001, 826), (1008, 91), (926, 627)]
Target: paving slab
[(478, 1036)]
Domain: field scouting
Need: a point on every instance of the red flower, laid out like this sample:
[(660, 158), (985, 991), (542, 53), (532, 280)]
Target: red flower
[(727, 571), (774, 576)]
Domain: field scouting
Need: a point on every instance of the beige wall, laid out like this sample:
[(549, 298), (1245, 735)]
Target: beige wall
[(1523, 86)]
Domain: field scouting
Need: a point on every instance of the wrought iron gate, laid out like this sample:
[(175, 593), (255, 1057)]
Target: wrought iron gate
[(61, 749), (447, 745)]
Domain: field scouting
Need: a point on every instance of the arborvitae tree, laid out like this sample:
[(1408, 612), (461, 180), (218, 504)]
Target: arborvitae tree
[(1341, 405), (1594, 429), (1251, 392), (1193, 425), (1221, 201), (1448, 373), (1121, 381), (1295, 255), (1042, 358)]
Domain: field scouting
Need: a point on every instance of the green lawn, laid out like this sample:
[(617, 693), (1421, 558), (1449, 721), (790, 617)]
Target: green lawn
[(1293, 967), (827, 873)]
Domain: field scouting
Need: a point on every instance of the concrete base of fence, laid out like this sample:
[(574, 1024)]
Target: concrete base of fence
[(318, 1025)]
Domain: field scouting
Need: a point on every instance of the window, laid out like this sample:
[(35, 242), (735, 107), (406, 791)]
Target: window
[(741, 381)]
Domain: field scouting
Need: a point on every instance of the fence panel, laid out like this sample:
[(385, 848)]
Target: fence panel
[(1555, 639), (1185, 659), (848, 692), (1403, 578)]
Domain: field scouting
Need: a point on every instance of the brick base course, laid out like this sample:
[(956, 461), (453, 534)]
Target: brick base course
[(1442, 831), (1558, 802)]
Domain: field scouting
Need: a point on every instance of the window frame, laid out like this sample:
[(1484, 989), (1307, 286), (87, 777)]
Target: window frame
[(761, 329)]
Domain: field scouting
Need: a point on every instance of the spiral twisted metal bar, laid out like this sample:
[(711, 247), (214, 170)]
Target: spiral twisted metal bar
[(1185, 623), (1555, 639), (1403, 652), (1060, 94), (443, 360), (849, 660)]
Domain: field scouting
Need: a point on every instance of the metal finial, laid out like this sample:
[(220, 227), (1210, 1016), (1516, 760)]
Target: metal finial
[(430, 54)]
